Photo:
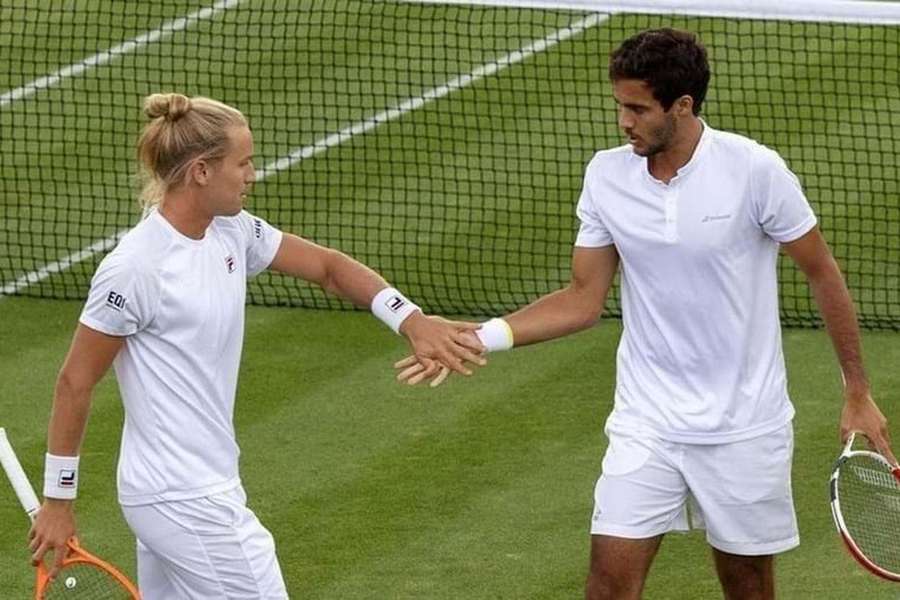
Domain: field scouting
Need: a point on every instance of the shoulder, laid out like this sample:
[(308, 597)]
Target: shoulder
[(612, 162), (245, 224), (138, 250), (735, 148), (618, 156)]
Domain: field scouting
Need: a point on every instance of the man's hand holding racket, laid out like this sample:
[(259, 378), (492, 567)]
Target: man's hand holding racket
[(52, 529), (861, 414)]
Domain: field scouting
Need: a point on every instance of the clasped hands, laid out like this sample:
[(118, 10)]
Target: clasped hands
[(439, 346)]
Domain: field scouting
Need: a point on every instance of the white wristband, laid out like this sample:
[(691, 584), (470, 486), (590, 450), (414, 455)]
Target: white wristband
[(392, 307), (60, 477), (495, 335)]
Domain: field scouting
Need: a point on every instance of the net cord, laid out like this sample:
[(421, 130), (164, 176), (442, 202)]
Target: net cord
[(843, 11)]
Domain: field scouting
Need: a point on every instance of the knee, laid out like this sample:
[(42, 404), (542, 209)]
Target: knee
[(597, 588), (603, 584), (747, 579), (744, 585)]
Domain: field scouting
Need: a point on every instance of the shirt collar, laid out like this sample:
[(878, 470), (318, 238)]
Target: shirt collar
[(705, 135), (698, 151)]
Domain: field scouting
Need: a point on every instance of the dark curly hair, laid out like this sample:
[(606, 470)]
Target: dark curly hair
[(672, 62)]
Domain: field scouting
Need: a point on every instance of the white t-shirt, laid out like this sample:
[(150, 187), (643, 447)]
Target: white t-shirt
[(180, 304), (700, 359)]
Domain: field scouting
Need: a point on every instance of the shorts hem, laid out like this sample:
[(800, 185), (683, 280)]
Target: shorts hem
[(632, 533), (755, 548)]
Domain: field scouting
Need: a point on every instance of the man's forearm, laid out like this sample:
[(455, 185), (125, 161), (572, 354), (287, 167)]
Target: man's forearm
[(555, 315), (352, 280), (839, 314), (68, 420)]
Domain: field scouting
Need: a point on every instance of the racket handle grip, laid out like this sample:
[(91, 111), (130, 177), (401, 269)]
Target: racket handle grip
[(850, 439), (17, 477)]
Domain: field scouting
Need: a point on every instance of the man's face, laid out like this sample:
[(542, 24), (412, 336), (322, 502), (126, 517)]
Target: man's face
[(649, 128), (232, 175)]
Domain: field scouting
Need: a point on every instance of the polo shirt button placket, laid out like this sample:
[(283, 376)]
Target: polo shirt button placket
[(671, 196)]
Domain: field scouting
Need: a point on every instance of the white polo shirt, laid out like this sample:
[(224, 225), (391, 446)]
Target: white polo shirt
[(700, 359), (180, 304)]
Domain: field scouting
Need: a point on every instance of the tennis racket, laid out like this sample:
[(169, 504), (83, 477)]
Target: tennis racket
[(865, 504), (83, 575)]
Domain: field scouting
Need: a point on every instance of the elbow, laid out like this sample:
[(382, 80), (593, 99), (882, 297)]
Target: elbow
[(584, 307), (590, 317), (824, 272), (69, 386), (588, 314), (332, 263)]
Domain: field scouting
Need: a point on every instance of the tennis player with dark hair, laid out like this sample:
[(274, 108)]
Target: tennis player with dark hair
[(166, 308), (695, 218)]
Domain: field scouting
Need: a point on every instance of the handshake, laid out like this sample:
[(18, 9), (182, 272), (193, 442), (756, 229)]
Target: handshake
[(440, 346)]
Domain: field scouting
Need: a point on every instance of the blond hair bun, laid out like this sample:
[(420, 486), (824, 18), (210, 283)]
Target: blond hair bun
[(170, 106), (180, 130)]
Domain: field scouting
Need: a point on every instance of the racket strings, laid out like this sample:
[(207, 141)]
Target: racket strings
[(84, 581), (870, 505)]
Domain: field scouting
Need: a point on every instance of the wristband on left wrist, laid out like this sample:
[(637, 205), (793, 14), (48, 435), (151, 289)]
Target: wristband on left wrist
[(495, 335)]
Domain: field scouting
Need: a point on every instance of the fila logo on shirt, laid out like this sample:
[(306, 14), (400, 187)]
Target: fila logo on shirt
[(116, 301), (230, 264), (257, 228), (66, 478), (395, 303)]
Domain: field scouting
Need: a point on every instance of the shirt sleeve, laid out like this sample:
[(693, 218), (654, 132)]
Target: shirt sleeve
[(781, 208), (263, 242), (123, 298), (593, 232)]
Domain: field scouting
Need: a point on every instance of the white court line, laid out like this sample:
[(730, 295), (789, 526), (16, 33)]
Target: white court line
[(440, 91), (101, 58), (341, 136)]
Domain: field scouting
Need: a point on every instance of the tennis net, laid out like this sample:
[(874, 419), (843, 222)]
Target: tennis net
[(442, 143)]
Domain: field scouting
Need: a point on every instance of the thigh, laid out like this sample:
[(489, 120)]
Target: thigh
[(210, 547), (152, 578), (619, 566), (641, 492), (743, 490)]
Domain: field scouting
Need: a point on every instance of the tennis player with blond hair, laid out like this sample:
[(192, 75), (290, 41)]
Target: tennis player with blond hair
[(166, 309), (695, 218)]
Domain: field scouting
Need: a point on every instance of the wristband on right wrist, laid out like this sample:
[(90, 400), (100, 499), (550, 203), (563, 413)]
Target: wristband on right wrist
[(392, 307), (495, 335), (60, 477)]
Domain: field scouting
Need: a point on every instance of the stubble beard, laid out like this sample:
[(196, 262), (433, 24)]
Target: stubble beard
[(661, 138)]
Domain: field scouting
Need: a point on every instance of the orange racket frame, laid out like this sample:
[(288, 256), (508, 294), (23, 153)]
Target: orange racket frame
[(76, 554)]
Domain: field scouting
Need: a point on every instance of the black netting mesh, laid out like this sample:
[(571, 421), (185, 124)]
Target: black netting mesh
[(85, 581), (869, 498), (442, 145)]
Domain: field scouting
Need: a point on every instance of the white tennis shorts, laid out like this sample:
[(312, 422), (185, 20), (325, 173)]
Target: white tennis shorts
[(211, 547), (739, 492)]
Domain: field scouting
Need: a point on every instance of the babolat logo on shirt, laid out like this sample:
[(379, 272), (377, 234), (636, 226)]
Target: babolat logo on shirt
[(257, 228), (229, 263), (709, 218), (66, 478), (395, 303), (115, 300)]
